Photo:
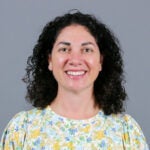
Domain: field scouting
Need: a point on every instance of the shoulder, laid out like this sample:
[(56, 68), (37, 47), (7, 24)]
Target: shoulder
[(132, 134), (18, 119), (131, 126), (21, 118), (123, 119), (127, 123), (15, 132)]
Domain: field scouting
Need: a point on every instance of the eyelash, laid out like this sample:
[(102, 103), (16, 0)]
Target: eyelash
[(64, 49), (67, 50), (87, 50)]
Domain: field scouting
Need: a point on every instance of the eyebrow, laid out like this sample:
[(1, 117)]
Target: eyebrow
[(87, 43), (64, 43), (83, 44)]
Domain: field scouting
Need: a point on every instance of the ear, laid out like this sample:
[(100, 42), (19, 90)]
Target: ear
[(49, 62), (101, 62)]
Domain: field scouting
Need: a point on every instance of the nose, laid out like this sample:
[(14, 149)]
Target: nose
[(75, 59)]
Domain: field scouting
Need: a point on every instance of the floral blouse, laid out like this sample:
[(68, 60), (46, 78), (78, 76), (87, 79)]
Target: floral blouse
[(45, 130)]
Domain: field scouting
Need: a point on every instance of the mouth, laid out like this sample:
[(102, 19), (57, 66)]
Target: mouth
[(75, 73)]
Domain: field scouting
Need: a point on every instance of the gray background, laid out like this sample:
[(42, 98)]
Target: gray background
[(21, 22)]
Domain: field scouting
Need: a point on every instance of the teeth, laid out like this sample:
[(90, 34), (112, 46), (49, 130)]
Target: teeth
[(76, 73)]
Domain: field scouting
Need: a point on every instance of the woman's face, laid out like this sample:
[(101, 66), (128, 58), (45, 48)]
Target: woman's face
[(75, 59)]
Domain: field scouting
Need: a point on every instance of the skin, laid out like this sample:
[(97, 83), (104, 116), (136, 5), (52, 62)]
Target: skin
[(75, 62)]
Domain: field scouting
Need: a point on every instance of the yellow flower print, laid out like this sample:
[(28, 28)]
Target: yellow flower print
[(86, 129), (56, 146), (126, 118), (70, 145), (35, 134), (137, 142), (126, 137), (99, 135), (16, 137)]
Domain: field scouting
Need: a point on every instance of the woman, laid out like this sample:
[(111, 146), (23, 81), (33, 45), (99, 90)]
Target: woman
[(75, 81)]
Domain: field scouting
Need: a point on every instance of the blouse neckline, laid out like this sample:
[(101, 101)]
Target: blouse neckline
[(100, 115)]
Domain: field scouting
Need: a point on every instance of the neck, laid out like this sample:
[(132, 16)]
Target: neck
[(75, 105)]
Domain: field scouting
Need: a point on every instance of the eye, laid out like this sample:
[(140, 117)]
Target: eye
[(64, 50), (87, 50)]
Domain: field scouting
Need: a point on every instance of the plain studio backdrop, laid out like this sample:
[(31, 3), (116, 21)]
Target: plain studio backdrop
[(22, 21)]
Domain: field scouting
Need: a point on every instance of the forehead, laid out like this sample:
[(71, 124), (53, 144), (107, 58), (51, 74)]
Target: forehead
[(75, 32)]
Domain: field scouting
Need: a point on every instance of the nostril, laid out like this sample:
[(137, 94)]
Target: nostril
[(75, 62)]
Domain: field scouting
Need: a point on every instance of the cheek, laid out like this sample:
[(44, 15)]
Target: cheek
[(94, 63), (58, 61)]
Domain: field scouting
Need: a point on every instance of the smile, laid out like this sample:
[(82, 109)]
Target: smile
[(75, 73)]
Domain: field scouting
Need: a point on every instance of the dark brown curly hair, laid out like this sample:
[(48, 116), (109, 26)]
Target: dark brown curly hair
[(109, 88)]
